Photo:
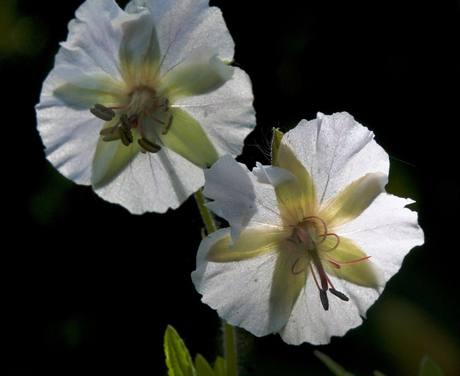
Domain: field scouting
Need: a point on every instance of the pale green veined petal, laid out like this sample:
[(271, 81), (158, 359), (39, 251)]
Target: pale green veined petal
[(288, 191), (239, 290), (253, 242), (387, 231), (306, 203), (226, 114), (111, 158), (139, 51), (199, 73), (153, 182), (289, 278), (68, 129), (187, 138), (94, 38), (362, 273), (309, 322), (183, 25), (351, 201)]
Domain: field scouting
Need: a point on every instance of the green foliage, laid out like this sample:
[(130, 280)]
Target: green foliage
[(179, 361), (336, 368), (178, 358), (428, 367)]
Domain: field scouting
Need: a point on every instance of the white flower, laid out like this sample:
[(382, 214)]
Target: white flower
[(313, 238), (140, 101)]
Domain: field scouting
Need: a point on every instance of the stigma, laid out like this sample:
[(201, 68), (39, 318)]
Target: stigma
[(145, 117)]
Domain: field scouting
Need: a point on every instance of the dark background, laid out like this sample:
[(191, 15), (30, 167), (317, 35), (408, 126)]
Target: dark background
[(89, 289)]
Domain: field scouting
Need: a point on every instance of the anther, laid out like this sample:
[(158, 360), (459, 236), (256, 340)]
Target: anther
[(165, 104), (124, 130), (126, 135), (148, 145), (168, 123), (102, 112), (324, 300), (110, 134), (339, 294)]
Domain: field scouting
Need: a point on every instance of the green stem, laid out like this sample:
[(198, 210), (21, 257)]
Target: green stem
[(230, 349), (205, 213), (229, 331)]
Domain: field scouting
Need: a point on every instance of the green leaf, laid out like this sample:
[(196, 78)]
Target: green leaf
[(203, 368), (220, 367), (428, 367), (378, 373), (336, 368), (178, 358)]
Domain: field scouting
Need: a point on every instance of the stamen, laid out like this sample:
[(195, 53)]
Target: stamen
[(168, 123), (102, 112), (124, 130), (165, 104), (324, 300), (125, 135), (110, 134), (339, 295), (148, 145)]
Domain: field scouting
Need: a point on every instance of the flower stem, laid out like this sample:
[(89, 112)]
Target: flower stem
[(205, 213), (230, 349), (229, 341)]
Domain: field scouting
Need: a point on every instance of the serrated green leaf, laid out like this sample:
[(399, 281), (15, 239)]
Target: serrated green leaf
[(334, 367), (220, 367), (429, 367), (178, 358), (203, 368)]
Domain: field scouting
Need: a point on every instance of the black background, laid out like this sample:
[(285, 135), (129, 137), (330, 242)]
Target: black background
[(89, 289)]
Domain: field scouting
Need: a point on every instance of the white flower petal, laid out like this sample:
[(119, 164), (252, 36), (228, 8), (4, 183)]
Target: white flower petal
[(69, 149), (184, 25), (158, 182), (199, 73), (239, 291), (336, 150), (237, 203), (387, 231), (309, 322), (94, 38), (226, 114)]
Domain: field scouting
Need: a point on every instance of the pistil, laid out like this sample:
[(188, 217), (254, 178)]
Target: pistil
[(307, 233)]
